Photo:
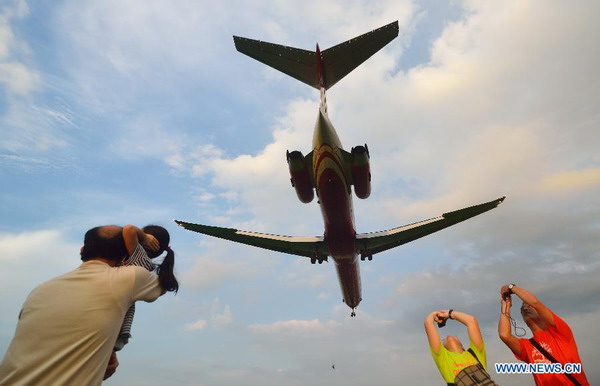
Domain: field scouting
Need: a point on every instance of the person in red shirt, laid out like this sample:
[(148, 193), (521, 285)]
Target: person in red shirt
[(549, 331)]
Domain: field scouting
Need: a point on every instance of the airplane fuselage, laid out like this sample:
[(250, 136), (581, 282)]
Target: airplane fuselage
[(332, 182)]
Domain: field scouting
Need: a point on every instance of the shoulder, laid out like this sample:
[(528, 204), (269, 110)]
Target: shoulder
[(441, 353), (560, 326), (474, 347)]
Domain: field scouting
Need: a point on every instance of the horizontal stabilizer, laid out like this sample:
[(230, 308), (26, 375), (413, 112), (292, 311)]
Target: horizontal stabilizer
[(297, 63), (301, 246), (376, 242), (340, 60), (337, 61)]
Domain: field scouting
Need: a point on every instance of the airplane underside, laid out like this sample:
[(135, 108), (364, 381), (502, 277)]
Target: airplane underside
[(330, 171)]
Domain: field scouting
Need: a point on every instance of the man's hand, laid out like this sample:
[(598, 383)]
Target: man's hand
[(505, 292), (150, 242), (113, 363)]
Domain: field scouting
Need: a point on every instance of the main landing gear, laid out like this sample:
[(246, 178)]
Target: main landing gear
[(318, 257)]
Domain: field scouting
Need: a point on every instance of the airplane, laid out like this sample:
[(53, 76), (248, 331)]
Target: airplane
[(331, 171)]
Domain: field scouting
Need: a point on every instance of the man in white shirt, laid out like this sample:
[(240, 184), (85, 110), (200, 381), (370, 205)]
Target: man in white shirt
[(68, 326)]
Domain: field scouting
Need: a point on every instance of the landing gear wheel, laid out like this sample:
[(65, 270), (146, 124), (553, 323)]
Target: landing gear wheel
[(352, 314)]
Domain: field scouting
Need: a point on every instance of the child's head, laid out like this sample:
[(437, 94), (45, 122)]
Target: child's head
[(167, 279), (163, 237)]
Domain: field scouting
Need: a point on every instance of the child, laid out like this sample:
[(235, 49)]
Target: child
[(143, 245)]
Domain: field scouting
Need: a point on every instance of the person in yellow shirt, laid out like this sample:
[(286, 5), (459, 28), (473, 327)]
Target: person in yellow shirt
[(457, 365)]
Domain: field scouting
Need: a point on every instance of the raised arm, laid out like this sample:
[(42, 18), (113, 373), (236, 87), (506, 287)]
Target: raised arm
[(472, 326), (529, 298), (134, 236), (504, 330), (432, 333)]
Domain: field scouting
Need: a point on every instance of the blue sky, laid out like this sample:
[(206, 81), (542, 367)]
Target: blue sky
[(142, 112)]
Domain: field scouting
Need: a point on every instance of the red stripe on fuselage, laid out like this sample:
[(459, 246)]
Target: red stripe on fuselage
[(325, 151)]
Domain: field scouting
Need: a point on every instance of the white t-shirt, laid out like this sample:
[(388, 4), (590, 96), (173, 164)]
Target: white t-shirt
[(68, 326)]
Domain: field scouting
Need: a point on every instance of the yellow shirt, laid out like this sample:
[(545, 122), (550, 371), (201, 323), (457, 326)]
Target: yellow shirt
[(68, 325), (450, 363)]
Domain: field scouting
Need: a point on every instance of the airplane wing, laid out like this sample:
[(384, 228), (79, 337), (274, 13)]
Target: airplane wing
[(301, 246), (375, 242)]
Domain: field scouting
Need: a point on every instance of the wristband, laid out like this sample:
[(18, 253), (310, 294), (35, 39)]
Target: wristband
[(450, 314)]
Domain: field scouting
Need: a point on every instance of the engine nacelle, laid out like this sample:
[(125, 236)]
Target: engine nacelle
[(361, 171), (300, 176)]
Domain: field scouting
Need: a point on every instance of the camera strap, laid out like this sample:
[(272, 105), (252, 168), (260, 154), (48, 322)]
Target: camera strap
[(553, 360)]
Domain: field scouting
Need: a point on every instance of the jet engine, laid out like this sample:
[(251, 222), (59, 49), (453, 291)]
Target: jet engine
[(361, 172), (301, 179)]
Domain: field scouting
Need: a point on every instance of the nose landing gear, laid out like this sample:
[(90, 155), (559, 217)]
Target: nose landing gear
[(353, 313)]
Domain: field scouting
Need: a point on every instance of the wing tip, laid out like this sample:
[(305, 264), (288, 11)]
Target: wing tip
[(180, 223)]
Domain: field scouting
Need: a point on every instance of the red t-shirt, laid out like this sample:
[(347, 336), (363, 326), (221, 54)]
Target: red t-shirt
[(559, 341)]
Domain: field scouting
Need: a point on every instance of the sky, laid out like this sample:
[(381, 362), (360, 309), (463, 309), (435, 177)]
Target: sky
[(142, 112)]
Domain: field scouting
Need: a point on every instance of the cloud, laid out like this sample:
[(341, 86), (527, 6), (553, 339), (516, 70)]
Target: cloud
[(28, 259), (197, 325), (210, 272), (506, 104), (304, 328), (221, 319), (16, 76), (42, 247), (31, 126), (574, 181)]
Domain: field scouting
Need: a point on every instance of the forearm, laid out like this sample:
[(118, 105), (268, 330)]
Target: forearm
[(432, 333), (131, 236), (133, 232), (504, 330), (429, 319), (525, 295), (472, 327), (463, 318)]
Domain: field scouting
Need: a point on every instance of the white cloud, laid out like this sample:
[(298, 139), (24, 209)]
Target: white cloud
[(28, 259), (570, 182), (211, 271), (507, 105), (222, 319), (304, 328), (197, 325), (16, 76), (44, 247)]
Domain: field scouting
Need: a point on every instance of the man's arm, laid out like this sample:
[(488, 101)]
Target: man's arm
[(432, 333), (504, 330), (472, 326), (529, 298)]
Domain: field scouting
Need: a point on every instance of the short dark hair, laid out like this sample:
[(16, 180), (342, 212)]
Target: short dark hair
[(100, 244)]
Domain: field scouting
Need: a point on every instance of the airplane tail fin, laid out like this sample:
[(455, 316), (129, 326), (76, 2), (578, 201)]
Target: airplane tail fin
[(321, 68)]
